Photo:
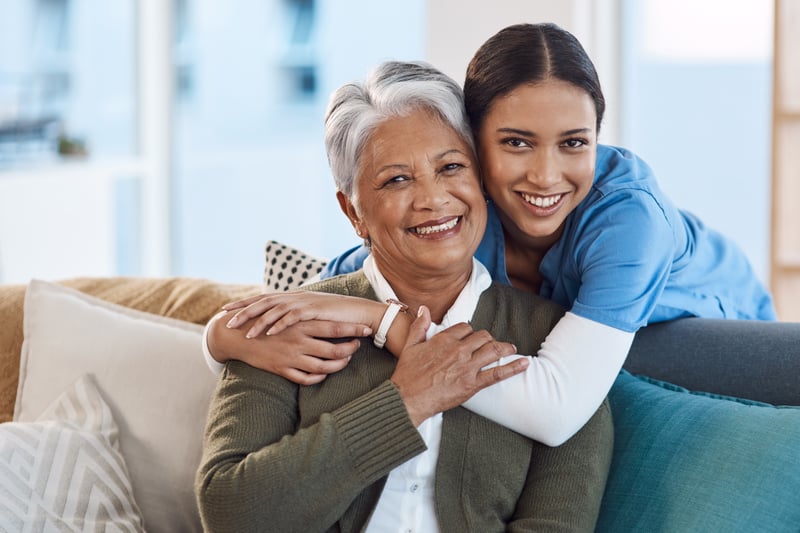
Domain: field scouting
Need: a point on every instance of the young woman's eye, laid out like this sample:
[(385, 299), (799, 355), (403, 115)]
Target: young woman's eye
[(515, 142), (575, 143)]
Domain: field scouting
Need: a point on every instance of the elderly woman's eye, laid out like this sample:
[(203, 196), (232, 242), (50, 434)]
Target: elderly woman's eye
[(396, 179), (452, 167)]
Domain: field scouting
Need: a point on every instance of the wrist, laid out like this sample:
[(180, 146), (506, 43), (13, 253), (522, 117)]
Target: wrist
[(393, 308)]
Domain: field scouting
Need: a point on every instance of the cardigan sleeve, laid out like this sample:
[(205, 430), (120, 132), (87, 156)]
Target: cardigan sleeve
[(259, 468)]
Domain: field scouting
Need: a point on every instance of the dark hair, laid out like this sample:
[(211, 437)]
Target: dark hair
[(527, 54)]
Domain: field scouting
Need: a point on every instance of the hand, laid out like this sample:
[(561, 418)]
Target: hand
[(303, 353), (276, 311), (445, 371)]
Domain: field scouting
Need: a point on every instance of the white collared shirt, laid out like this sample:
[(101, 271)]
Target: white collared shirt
[(407, 503)]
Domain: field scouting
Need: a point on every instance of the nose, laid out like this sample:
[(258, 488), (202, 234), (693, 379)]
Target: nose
[(544, 169), (431, 193)]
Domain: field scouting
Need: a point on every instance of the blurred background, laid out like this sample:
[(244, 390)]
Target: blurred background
[(175, 137)]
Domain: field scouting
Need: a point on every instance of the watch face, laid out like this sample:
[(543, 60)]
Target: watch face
[(403, 307)]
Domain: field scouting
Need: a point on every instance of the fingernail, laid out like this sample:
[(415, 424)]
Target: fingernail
[(419, 311), (367, 331), (231, 323), (269, 332)]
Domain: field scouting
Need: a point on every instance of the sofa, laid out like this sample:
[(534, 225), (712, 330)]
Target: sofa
[(104, 392)]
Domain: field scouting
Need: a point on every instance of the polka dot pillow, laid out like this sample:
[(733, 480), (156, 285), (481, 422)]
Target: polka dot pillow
[(287, 268)]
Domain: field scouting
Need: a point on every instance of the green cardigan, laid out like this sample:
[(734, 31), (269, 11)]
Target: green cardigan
[(281, 457)]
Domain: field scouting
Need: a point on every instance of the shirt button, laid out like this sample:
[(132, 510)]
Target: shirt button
[(414, 487)]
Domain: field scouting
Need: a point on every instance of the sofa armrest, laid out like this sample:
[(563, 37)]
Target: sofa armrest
[(743, 358)]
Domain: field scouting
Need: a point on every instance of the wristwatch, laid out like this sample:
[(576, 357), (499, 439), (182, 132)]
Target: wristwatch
[(389, 315)]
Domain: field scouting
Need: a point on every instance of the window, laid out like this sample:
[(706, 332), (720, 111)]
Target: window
[(696, 88)]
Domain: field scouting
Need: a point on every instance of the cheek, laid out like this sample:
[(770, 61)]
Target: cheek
[(501, 169), (583, 173)]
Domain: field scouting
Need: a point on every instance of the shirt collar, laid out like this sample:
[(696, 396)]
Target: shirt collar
[(461, 310)]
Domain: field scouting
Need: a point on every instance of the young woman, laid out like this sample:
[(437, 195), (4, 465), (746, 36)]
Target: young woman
[(582, 224)]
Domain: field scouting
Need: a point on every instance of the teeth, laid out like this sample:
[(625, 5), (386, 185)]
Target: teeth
[(542, 201), (427, 230)]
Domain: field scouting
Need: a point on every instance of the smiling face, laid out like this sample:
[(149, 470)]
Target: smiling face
[(418, 199), (538, 147)]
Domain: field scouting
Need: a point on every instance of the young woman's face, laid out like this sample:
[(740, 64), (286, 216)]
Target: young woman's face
[(419, 198), (537, 149)]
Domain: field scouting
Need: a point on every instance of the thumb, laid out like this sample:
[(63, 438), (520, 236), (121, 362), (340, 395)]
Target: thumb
[(417, 333)]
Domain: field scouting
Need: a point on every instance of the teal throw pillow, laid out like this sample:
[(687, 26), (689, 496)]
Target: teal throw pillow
[(695, 462)]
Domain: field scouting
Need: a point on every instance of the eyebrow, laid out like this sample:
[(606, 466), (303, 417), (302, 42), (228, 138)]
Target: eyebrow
[(528, 133), (437, 157)]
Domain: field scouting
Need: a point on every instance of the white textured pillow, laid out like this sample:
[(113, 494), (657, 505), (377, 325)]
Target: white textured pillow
[(64, 472), (151, 371)]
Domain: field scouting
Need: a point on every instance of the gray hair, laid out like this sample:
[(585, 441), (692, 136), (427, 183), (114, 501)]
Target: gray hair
[(392, 89)]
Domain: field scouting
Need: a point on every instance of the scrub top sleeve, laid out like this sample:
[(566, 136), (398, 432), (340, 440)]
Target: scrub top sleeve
[(624, 256), (345, 263)]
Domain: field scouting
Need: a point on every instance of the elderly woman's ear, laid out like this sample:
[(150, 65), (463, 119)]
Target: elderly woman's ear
[(352, 215)]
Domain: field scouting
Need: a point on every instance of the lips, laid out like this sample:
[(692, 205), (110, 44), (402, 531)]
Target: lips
[(433, 229)]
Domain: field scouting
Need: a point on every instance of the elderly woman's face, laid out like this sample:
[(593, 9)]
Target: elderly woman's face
[(419, 197)]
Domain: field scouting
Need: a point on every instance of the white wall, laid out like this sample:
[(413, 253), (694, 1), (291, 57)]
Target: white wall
[(457, 28)]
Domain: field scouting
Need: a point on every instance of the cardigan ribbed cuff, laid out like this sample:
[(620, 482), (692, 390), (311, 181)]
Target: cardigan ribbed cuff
[(378, 431)]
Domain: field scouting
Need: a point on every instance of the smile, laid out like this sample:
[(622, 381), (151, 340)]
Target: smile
[(438, 228), (542, 201)]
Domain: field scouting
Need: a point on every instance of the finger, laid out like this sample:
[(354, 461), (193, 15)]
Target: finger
[(493, 350), (329, 329), (417, 333), (326, 329), (244, 302), (303, 378), (459, 331), (331, 350), (278, 319), (252, 310), (498, 373), (315, 365)]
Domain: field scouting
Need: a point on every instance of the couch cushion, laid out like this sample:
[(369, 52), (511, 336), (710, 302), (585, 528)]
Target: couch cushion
[(686, 461), (64, 472), (191, 299), (287, 268), (151, 371)]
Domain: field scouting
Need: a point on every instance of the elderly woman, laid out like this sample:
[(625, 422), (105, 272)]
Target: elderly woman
[(384, 444)]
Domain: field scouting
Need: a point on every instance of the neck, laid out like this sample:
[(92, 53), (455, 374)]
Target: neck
[(437, 293), (523, 260)]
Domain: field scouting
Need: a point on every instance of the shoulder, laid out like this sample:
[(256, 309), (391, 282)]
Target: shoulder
[(353, 284), (617, 167), (517, 314), (625, 190)]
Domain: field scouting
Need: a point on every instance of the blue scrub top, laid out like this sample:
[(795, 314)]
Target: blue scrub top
[(628, 256)]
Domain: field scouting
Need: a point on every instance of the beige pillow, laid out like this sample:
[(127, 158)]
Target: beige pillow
[(151, 371), (64, 472)]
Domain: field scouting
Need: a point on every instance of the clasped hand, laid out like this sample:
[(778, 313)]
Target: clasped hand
[(431, 375)]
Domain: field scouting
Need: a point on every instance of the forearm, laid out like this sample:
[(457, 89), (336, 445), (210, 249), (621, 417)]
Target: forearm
[(564, 384), (214, 361), (257, 468)]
